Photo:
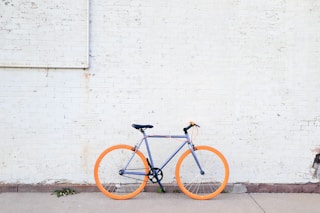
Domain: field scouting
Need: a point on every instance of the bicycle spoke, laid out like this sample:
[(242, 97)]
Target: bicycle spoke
[(207, 185), (107, 176)]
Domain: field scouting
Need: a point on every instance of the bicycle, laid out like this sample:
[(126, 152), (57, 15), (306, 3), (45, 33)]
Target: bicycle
[(122, 171)]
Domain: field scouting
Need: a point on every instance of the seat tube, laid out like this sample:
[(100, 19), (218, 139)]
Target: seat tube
[(145, 138)]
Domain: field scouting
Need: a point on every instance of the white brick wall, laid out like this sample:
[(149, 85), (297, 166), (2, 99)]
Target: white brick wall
[(44, 33), (247, 71)]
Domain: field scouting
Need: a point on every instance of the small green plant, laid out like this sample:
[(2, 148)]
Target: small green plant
[(64, 192), (176, 191), (159, 190), (225, 191)]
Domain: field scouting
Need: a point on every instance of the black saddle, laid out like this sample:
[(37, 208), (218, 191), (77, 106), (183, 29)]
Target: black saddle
[(138, 126)]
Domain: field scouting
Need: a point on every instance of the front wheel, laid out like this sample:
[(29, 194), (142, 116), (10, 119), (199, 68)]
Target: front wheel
[(202, 185), (121, 172)]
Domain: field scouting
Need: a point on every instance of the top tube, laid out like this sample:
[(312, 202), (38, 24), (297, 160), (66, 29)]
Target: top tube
[(166, 136)]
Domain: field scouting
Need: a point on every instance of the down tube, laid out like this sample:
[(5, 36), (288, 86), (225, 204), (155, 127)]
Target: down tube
[(169, 159)]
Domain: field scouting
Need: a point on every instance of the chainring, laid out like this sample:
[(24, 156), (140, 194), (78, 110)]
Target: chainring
[(153, 177)]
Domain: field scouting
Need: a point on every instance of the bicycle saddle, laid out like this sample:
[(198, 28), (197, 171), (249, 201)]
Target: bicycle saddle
[(138, 126)]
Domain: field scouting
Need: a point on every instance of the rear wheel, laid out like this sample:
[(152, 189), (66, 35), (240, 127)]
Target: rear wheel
[(108, 172), (208, 184)]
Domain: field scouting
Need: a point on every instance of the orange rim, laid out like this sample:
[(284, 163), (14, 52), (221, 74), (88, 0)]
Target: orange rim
[(208, 196), (96, 173)]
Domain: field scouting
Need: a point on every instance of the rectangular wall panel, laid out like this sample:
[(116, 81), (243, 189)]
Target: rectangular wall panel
[(39, 33)]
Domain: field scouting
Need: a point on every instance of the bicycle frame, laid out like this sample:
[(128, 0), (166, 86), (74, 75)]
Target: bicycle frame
[(151, 164), (122, 171)]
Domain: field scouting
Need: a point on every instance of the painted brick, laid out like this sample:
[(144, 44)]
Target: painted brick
[(246, 71)]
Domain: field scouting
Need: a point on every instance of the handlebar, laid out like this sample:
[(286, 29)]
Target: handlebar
[(192, 124)]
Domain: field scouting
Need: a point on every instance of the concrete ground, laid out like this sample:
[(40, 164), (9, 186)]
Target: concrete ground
[(157, 202)]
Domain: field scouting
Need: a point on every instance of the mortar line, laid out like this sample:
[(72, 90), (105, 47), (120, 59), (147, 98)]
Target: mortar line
[(256, 202)]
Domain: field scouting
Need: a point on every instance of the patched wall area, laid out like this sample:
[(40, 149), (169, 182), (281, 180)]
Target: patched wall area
[(247, 71)]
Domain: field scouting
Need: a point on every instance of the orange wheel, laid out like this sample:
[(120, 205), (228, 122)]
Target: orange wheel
[(107, 172), (208, 184)]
